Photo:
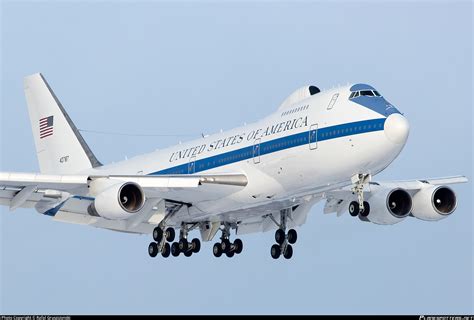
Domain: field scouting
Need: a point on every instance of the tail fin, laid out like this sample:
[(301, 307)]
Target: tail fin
[(59, 145)]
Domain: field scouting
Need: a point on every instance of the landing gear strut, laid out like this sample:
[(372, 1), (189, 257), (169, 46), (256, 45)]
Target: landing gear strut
[(225, 246), (284, 240)]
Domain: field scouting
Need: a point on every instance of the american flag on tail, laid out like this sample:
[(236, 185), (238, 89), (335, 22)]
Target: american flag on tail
[(46, 127)]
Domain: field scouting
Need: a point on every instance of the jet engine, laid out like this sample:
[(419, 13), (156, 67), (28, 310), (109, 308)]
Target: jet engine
[(434, 203), (118, 202), (388, 206)]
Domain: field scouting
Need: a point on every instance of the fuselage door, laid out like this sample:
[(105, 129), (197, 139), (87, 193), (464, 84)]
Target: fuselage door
[(313, 137), (333, 101), (192, 165), (256, 151)]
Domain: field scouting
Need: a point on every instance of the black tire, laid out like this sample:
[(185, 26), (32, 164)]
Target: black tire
[(354, 208), (196, 245), (166, 250), (183, 245), (217, 250), (175, 249), (157, 234), (153, 249), (170, 234), (288, 252), (238, 246), (188, 253), (280, 236), (366, 210), (225, 245), (292, 236), (230, 253), (275, 251)]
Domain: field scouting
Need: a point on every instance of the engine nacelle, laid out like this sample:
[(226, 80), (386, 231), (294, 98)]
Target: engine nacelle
[(118, 202), (434, 203), (389, 206)]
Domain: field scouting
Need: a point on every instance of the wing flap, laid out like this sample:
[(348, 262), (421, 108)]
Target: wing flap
[(42, 181), (21, 197)]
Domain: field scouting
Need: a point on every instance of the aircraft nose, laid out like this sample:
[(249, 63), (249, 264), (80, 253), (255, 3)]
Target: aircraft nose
[(396, 128)]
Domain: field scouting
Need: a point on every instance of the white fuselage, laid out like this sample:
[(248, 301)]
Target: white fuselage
[(296, 151)]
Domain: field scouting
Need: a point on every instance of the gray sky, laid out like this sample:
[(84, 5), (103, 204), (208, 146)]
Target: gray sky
[(187, 68)]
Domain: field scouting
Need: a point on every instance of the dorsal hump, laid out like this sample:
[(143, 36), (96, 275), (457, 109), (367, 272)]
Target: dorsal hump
[(299, 95)]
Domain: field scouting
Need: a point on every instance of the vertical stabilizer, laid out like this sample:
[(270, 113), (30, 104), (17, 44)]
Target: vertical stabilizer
[(59, 145)]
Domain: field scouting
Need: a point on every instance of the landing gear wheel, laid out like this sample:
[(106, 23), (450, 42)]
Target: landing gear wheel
[(230, 253), (153, 249), (183, 245), (217, 250), (169, 234), (188, 253), (292, 236), (196, 245), (157, 234), (225, 245), (166, 250), (366, 211), (175, 249), (238, 246), (354, 208), (280, 236), (275, 251), (288, 252)]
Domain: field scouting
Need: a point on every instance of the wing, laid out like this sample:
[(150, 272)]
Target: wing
[(338, 200), (66, 197)]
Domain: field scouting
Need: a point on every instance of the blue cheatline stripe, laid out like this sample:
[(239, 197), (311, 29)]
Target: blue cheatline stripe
[(295, 140), (52, 212), (84, 198)]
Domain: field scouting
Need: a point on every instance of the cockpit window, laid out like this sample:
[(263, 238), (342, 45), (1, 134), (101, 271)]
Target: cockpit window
[(367, 93)]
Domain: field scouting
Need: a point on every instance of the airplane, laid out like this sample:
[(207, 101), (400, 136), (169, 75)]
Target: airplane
[(317, 146)]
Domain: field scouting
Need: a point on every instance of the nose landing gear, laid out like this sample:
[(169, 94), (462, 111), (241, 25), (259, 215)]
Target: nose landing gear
[(354, 209), (360, 207)]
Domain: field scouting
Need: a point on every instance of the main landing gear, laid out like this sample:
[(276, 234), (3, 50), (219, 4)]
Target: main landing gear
[(225, 246), (283, 240), (183, 246), (161, 245), (163, 239)]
